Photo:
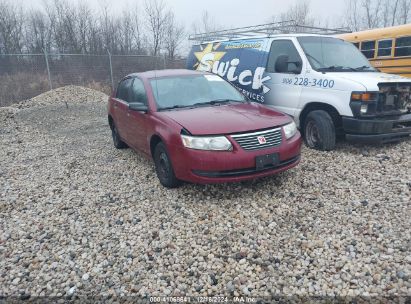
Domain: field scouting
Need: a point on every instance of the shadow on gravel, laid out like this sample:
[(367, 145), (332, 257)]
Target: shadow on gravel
[(270, 186), (364, 149)]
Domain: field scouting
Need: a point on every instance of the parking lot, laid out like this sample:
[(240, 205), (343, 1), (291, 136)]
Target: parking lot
[(80, 218)]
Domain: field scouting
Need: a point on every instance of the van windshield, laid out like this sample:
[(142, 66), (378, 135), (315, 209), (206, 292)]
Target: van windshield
[(193, 91), (327, 54)]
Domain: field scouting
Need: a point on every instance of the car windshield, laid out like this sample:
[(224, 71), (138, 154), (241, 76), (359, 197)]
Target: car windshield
[(192, 91), (334, 55)]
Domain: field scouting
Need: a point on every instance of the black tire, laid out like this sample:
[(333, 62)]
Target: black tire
[(164, 168), (319, 131), (118, 143)]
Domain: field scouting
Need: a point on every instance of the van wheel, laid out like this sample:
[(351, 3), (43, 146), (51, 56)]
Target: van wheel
[(164, 168), (319, 131), (118, 143)]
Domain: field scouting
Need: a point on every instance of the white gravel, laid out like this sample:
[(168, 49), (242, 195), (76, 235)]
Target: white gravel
[(79, 218)]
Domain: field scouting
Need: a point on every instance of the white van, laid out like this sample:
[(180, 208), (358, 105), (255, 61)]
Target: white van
[(325, 83)]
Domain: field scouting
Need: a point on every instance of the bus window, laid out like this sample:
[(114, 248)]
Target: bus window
[(403, 46), (384, 48), (356, 44), (368, 48)]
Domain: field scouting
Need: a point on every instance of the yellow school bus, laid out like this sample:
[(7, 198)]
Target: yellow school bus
[(388, 49)]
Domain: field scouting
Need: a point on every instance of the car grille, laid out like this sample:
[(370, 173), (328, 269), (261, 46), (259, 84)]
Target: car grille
[(259, 140)]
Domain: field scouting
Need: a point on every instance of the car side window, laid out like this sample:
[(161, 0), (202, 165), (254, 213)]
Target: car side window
[(138, 92), (123, 90), (284, 58)]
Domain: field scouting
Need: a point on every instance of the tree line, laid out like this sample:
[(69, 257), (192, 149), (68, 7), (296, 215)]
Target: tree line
[(60, 26), (358, 14), (367, 14), (151, 28)]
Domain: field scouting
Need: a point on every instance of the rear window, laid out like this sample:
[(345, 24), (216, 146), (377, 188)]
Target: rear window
[(403, 47), (368, 48)]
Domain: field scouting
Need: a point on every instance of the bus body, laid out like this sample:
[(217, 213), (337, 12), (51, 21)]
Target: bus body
[(388, 49)]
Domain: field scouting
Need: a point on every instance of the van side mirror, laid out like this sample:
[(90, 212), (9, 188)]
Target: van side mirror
[(298, 67), (138, 106), (282, 65)]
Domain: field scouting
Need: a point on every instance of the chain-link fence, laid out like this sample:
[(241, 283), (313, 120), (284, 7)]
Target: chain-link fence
[(23, 76)]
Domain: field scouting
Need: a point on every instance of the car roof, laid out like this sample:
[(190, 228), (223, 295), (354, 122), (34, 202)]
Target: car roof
[(166, 73)]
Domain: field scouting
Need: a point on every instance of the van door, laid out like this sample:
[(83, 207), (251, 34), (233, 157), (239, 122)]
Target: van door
[(284, 66)]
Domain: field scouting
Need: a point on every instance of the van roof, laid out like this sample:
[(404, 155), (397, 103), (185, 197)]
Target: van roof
[(267, 37), (269, 30)]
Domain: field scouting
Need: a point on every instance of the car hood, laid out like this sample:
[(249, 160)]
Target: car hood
[(370, 80), (227, 118)]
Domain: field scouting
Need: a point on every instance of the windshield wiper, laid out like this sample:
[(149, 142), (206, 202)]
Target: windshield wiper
[(173, 107), (336, 68), (225, 100), (216, 101), (364, 67), (211, 102)]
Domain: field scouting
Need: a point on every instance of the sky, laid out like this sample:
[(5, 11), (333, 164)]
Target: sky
[(228, 13), (237, 13)]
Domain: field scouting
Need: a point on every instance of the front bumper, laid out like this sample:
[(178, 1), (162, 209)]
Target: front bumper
[(207, 167), (377, 130), (248, 171)]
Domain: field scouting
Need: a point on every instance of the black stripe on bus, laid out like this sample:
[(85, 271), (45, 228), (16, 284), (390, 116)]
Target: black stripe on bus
[(398, 73), (389, 58), (393, 66)]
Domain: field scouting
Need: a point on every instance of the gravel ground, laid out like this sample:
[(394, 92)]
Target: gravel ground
[(79, 218)]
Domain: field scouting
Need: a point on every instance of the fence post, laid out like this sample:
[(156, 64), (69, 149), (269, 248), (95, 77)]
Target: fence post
[(48, 69), (111, 70)]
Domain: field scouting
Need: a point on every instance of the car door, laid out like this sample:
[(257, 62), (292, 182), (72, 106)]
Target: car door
[(121, 107), (136, 120), (286, 79)]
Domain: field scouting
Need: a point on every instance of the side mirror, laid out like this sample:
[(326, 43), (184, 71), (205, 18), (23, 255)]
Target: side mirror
[(138, 106), (282, 65), (298, 67)]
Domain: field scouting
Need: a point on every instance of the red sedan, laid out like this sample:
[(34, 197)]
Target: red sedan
[(198, 128)]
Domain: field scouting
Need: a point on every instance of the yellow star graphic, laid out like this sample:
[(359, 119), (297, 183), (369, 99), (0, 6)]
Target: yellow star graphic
[(207, 57)]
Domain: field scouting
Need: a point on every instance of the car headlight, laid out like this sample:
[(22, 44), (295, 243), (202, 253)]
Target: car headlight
[(290, 130), (214, 143)]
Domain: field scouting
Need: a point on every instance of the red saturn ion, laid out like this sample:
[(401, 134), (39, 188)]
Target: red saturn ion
[(198, 128)]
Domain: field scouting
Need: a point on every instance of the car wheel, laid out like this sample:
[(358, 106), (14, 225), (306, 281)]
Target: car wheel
[(319, 131), (164, 168), (118, 143)]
